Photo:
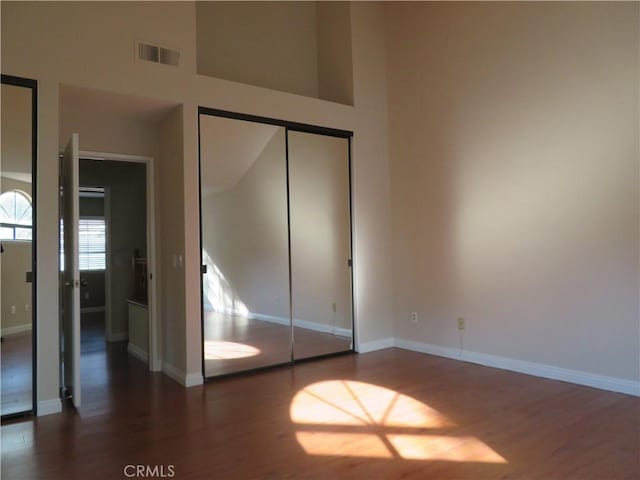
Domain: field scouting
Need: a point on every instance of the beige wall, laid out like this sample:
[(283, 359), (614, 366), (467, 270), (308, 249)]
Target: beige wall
[(335, 66), (171, 242), (370, 179), (514, 149), (269, 44)]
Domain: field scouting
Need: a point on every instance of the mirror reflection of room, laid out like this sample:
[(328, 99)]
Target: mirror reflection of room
[(320, 244), (276, 245), (16, 223), (244, 226)]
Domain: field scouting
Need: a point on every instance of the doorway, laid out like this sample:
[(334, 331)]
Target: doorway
[(115, 260)]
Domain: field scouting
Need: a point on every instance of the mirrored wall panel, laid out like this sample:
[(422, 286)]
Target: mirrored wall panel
[(245, 282), (17, 240), (276, 242), (320, 244)]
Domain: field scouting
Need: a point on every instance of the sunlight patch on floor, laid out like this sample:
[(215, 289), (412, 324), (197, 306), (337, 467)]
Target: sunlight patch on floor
[(357, 419)]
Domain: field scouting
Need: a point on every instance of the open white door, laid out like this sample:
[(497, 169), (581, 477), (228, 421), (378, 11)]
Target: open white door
[(71, 316)]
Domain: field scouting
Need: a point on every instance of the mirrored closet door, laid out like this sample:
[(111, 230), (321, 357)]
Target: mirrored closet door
[(17, 240), (276, 242), (320, 229), (245, 281)]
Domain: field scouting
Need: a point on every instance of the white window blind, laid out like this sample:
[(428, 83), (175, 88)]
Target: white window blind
[(92, 244)]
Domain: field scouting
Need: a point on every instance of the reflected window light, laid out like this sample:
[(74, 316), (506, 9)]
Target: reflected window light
[(219, 350)]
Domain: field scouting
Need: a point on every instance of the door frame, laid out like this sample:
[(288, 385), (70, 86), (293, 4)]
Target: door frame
[(33, 85), (155, 335)]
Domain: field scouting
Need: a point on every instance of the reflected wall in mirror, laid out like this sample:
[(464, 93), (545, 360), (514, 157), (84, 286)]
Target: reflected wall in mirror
[(16, 237), (245, 293), (320, 244)]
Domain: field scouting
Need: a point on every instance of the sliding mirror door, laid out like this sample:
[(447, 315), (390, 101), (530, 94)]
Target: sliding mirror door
[(245, 280), (17, 238), (320, 228)]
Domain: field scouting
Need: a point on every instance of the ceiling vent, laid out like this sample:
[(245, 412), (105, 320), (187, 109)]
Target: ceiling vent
[(156, 54)]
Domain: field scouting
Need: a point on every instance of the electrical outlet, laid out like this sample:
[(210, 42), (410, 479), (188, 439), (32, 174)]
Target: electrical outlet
[(334, 306), (13, 309), (462, 324), (414, 317), (26, 307)]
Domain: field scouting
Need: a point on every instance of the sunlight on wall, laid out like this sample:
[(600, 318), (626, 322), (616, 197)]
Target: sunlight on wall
[(356, 419), (219, 350), (219, 295)]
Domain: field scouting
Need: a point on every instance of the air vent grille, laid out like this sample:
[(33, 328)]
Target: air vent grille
[(156, 54)]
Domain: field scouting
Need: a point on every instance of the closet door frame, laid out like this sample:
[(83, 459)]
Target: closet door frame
[(33, 85), (296, 127)]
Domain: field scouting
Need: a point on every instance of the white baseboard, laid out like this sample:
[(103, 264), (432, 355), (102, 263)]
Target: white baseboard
[(118, 337), (49, 407), (366, 347), (92, 309), (315, 326), (186, 380), (5, 332), (137, 352), (602, 382), (193, 379)]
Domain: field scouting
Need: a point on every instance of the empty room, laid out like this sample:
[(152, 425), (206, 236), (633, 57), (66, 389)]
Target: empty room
[(320, 240)]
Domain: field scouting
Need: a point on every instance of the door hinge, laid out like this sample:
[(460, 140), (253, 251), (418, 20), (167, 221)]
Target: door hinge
[(203, 269)]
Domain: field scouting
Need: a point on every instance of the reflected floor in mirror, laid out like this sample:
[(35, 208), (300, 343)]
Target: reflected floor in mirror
[(16, 373), (234, 343)]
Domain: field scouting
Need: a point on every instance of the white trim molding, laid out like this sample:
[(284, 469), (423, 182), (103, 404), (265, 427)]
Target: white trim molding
[(603, 382), (372, 346), (315, 326), (137, 352), (7, 331), (118, 337), (186, 380), (49, 407), (92, 309)]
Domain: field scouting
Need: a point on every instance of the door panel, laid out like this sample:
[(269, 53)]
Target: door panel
[(245, 280), (71, 276), (17, 241), (320, 244)]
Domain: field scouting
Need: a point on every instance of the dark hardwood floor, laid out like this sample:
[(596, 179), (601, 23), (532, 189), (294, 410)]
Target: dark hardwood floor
[(16, 361), (390, 414)]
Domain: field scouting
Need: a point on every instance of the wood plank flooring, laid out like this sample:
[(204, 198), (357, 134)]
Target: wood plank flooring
[(17, 376), (390, 414)]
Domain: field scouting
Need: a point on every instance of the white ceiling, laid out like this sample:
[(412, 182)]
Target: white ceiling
[(228, 149)]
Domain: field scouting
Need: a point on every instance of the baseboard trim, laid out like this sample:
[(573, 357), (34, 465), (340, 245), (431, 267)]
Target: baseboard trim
[(49, 407), (602, 382), (8, 331), (137, 352), (186, 380), (118, 337), (315, 326), (92, 309), (366, 347)]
